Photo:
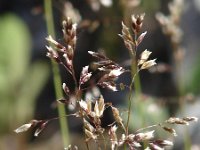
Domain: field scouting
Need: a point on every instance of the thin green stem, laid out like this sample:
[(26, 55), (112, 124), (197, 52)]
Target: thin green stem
[(135, 81), (129, 107), (135, 69), (57, 78), (130, 100)]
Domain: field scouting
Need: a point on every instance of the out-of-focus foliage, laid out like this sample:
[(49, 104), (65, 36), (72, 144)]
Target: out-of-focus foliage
[(145, 112), (194, 85), (20, 82), (151, 6)]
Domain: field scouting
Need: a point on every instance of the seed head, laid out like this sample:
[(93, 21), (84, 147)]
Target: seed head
[(137, 22)]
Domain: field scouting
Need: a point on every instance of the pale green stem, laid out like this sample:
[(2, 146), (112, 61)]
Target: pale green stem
[(134, 81), (56, 74), (130, 101)]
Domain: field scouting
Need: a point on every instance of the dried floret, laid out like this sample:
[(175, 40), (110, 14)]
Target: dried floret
[(41, 127), (190, 118), (113, 136), (144, 136), (85, 75), (141, 37), (117, 117), (148, 64), (170, 130), (90, 135), (23, 128), (27, 126), (137, 22), (174, 120), (144, 56), (88, 126), (99, 107), (65, 88)]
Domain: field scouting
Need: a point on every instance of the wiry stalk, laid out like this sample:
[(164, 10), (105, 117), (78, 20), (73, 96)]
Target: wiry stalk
[(130, 99)]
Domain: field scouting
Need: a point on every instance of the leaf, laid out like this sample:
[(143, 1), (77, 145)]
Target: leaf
[(32, 84), (15, 49)]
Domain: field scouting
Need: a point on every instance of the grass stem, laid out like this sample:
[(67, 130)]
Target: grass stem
[(57, 78)]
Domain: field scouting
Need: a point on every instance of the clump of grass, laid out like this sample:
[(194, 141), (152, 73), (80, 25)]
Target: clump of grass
[(91, 111)]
